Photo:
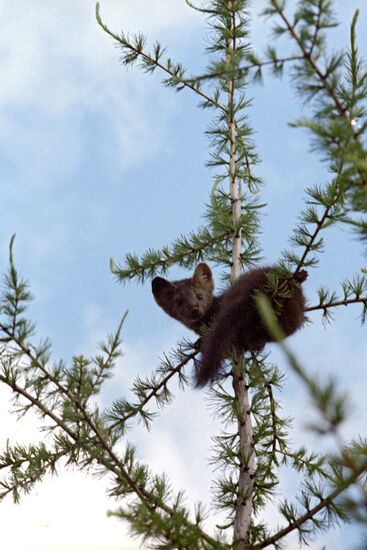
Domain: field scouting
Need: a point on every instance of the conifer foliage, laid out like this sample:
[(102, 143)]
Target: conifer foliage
[(254, 445)]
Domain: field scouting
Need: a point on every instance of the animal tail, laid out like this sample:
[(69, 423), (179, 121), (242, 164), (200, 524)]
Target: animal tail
[(301, 276)]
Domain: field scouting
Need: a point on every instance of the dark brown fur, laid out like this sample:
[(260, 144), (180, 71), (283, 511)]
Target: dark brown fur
[(235, 325)]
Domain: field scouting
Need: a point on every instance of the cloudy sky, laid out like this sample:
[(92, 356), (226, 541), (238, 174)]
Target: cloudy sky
[(97, 161)]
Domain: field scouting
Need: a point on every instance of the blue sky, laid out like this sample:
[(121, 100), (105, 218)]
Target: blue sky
[(97, 161)]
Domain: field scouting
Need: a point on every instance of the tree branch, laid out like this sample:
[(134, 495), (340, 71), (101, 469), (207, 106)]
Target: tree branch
[(318, 228), (153, 62), (323, 77), (139, 408), (324, 503), (362, 300), (308, 57), (246, 68), (155, 260)]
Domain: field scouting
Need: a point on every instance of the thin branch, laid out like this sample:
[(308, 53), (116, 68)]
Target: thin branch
[(307, 56), (305, 463), (110, 355), (167, 259), (324, 307), (139, 408), (37, 403), (350, 463), (317, 28), (325, 502), (323, 77), (246, 68), (28, 481), (186, 83), (36, 363), (272, 458), (318, 228)]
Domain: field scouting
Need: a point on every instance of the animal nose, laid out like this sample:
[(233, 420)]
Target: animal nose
[(195, 312)]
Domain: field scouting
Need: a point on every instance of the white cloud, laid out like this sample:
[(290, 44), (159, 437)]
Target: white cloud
[(72, 119), (67, 512), (58, 67), (69, 113)]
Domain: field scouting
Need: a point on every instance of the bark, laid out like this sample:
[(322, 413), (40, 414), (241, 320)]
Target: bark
[(243, 513)]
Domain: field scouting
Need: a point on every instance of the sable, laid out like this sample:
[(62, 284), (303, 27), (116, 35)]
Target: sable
[(230, 323)]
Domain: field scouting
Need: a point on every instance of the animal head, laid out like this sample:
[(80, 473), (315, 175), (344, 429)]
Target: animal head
[(186, 300)]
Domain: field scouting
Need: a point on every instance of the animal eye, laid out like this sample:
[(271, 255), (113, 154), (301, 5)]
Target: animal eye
[(200, 296), (179, 302)]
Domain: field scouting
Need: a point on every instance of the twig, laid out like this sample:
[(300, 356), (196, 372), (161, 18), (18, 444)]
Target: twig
[(323, 77), (154, 392), (162, 263), (152, 61), (324, 307), (318, 228), (313, 511), (307, 56), (317, 28), (249, 67), (272, 458)]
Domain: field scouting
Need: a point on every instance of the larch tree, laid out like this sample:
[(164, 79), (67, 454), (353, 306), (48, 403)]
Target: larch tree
[(253, 445)]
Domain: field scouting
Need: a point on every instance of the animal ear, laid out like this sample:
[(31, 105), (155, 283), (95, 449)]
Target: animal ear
[(203, 277), (160, 286)]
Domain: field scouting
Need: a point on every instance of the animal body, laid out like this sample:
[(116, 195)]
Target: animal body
[(230, 323)]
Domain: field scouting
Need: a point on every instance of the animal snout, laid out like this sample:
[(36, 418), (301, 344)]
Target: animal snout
[(195, 312)]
